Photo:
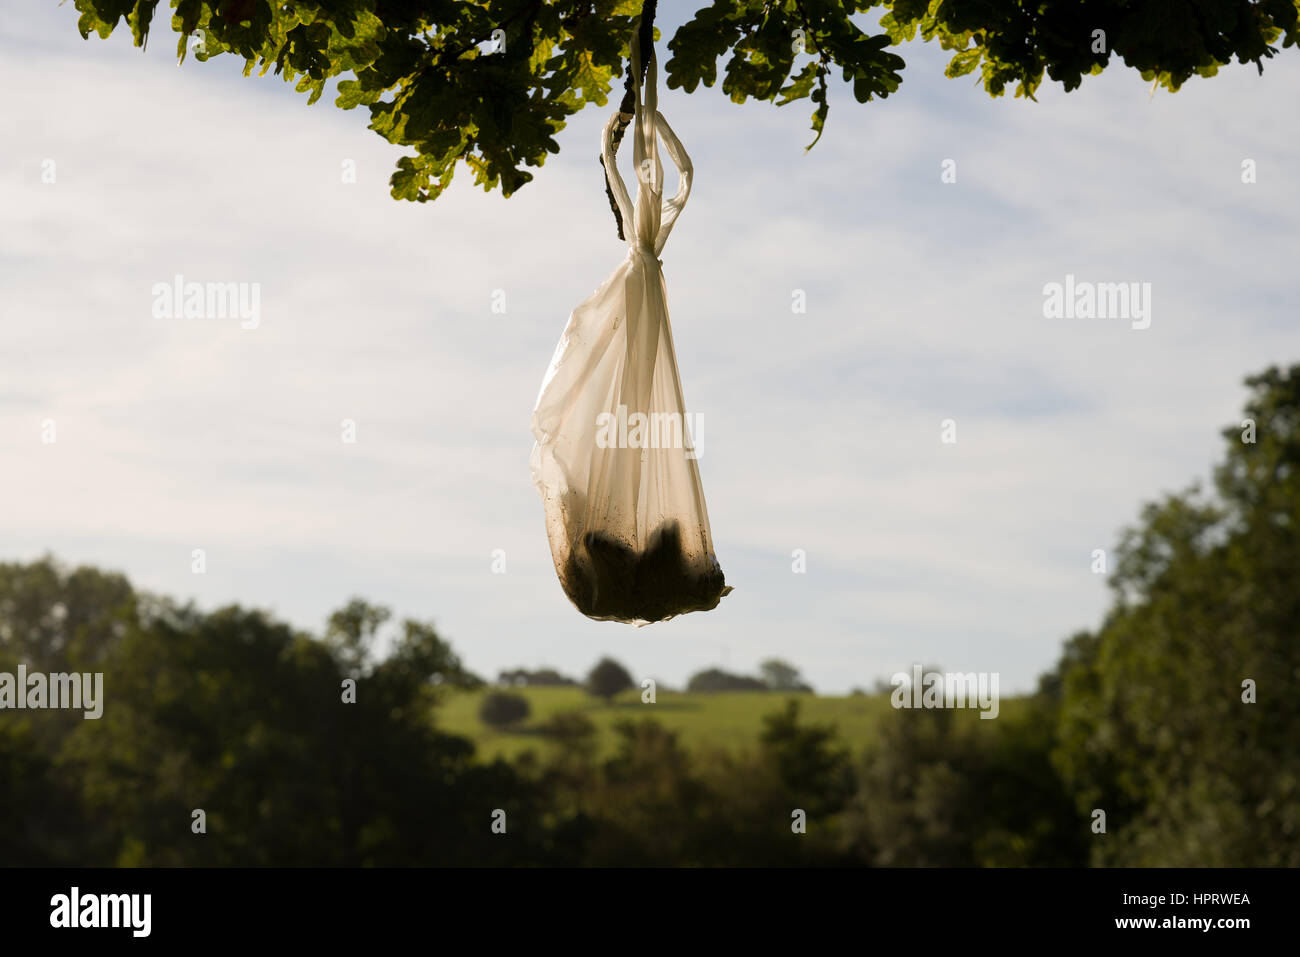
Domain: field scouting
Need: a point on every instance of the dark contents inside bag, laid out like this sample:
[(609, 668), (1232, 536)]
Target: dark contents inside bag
[(606, 578)]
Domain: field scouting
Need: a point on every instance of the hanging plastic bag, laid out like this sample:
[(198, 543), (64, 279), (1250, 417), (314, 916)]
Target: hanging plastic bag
[(614, 458)]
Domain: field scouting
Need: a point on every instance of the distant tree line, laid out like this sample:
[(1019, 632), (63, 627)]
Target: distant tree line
[(609, 678), (1166, 737), (541, 678), (505, 710), (775, 675)]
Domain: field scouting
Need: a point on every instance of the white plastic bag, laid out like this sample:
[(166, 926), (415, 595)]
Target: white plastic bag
[(625, 511)]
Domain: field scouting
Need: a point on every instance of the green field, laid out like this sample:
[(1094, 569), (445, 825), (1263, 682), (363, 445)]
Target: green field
[(729, 720)]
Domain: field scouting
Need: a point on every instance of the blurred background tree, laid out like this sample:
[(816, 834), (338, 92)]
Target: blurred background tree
[(501, 710), (607, 679), (1154, 726), (715, 679), (780, 675)]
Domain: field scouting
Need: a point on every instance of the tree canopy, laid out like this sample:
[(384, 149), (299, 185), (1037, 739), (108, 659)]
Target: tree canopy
[(1180, 715), (490, 82), (780, 675), (607, 679)]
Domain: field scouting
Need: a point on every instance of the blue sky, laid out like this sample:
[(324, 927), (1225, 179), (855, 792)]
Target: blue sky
[(924, 302)]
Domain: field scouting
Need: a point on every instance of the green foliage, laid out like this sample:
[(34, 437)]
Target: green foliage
[(430, 73), (939, 788), (1154, 729), (1168, 43), (351, 631), (715, 679), (780, 675), (766, 39), (541, 678), (432, 79), (654, 803), (501, 710), (240, 716), (809, 762), (570, 728), (607, 679)]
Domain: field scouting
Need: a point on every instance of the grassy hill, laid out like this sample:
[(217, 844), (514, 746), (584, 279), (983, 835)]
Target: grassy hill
[(730, 720)]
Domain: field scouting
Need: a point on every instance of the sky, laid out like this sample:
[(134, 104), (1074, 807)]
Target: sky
[(822, 429)]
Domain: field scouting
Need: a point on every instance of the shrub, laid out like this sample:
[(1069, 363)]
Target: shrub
[(501, 710)]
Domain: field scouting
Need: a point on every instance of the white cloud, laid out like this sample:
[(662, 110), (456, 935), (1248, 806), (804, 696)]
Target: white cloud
[(924, 302)]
